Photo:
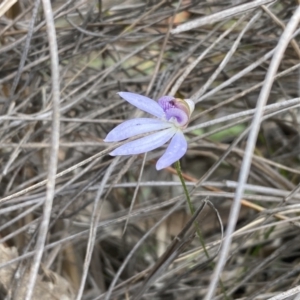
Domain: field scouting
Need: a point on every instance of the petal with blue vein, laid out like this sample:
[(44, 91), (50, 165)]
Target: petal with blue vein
[(176, 149), (145, 144), (134, 127), (144, 103)]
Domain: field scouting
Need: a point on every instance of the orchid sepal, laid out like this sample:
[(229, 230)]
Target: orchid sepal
[(134, 127), (145, 144)]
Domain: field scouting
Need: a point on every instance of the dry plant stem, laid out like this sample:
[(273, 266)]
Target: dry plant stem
[(257, 158), (183, 239), (228, 56), (52, 166), (192, 65), (6, 5), (83, 233), (18, 231), (235, 77), (137, 245), (93, 227), (122, 34), (285, 105), (26, 47), (292, 193), (19, 17), (248, 228), (120, 174), (90, 77), (263, 97), (43, 182), (244, 202), (19, 216), (220, 16), (226, 153), (243, 93), (65, 207), (137, 186), (287, 294), (274, 106), (134, 214), (192, 210), (101, 76), (183, 60), (297, 297), (207, 262), (24, 118), (16, 151), (19, 41), (240, 74), (80, 174), (258, 267), (282, 25), (267, 108), (159, 61)]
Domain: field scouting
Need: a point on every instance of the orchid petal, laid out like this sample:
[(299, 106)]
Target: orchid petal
[(146, 143), (134, 127), (144, 103), (176, 149)]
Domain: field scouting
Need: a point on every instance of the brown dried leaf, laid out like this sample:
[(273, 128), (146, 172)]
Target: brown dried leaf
[(51, 286)]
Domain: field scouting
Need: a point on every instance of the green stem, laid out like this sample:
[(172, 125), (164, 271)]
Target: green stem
[(192, 210), (191, 207)]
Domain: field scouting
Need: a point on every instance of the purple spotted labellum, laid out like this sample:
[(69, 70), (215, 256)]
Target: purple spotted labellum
[(171, 116)]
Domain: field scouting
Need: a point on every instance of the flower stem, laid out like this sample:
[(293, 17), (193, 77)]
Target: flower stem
[(192, 210), (191, 207)]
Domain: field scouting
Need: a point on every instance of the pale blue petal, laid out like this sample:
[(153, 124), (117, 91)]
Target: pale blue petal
[(145, 144), (134, 127), (176, 149), (144, 103)]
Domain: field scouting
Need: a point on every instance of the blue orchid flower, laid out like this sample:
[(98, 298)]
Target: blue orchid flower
[(172, 115)]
